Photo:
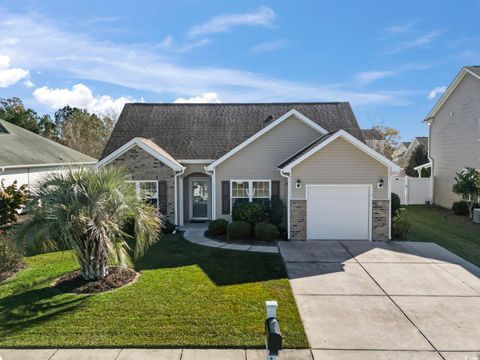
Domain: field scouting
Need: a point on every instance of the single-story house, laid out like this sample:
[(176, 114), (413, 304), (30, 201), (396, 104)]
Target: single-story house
[(196, 161), (28, 157)]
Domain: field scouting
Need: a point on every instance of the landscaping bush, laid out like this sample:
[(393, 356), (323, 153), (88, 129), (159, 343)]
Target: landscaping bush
[(266, 231), (168, 227), (395, 204), (218, 227), (238, 230), (251, 213), (275, 211), (460, 208), (10, 257), (401, 225), (11, 198)]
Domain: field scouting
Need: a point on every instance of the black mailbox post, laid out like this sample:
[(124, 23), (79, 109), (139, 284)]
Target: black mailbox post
[(273, 336)]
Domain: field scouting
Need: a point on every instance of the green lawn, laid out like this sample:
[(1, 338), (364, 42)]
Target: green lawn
[(455, 233), (187, 296)]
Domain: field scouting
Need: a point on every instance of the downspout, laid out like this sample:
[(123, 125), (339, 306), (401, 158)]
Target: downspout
[(176, 194), (430, 159), (288, 200), (214, 190)]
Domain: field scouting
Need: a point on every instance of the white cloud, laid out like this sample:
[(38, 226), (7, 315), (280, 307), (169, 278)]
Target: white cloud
[(370, 76), (401, 28), (209, 97), (270, 46), (436, 91), (8, 75), (44, 47), (422, 40), (82, 97), (262, 17), (28, 84)]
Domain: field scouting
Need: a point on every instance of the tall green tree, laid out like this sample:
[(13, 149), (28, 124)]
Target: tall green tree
[(419, 157), (83, 131), (13, 110), (88, 211)]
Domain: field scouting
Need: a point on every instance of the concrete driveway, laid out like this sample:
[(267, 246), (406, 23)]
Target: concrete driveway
[(396, 300)]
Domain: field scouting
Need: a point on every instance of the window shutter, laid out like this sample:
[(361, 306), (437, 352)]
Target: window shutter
[(226, 197), (162, 197), (275, 189)]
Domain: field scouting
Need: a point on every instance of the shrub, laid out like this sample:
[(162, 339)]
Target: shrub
[(10, 257), (266, 231), (460, 208), (168, 227), (218, 227), (401, 225), (238, 230), (275, 211), (395, 204), (11, 198), (251, 213)]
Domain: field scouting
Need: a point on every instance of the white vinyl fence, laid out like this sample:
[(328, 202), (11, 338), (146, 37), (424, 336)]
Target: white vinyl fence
[(412, 191)]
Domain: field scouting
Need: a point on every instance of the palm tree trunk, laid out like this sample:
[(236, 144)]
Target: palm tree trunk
[(93, 261)]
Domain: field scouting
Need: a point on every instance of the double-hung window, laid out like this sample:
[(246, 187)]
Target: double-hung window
[(147, 191), (257, 191)]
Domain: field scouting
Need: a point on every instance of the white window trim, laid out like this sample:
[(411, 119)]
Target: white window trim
[(250, 186), (137, 187)]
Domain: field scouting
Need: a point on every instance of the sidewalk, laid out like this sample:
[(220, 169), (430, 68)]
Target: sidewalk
[(148, 354)]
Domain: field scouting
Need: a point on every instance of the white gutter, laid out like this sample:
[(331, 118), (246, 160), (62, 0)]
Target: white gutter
[(176, 195), (430, 123), (4, 167), (288, 201)]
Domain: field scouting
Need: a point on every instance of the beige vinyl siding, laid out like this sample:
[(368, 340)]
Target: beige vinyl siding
[(454, 138), (340, 162), (259, 159)]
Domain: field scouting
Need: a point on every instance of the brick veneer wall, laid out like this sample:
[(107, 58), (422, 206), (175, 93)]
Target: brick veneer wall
[(298, 220), (141, 165), (380, 219)]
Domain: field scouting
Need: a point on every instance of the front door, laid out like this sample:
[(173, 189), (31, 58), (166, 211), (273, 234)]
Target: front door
[(199, 190)]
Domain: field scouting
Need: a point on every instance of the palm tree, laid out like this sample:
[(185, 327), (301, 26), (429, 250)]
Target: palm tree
[(88, 211)]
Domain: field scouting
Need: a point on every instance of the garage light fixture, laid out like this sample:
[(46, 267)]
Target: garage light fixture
[(380, 183), (298, 184)]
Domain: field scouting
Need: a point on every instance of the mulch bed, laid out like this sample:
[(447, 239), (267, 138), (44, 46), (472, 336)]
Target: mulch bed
[(117, 277), (8, 274)]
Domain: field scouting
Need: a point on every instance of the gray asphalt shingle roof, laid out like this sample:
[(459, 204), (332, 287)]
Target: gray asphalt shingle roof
[(22, 147), (371, 134), (422, 140), (207, 131), (295, 156)]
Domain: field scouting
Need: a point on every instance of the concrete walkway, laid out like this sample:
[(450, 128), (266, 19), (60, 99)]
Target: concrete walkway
[(397, 300), (149, 354), (195, 234)]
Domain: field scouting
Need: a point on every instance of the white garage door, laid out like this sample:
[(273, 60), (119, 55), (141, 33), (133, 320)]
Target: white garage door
[(336, 212)]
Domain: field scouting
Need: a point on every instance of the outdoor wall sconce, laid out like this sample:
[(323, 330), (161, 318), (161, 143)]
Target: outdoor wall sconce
[(380, 183), (298, 184)]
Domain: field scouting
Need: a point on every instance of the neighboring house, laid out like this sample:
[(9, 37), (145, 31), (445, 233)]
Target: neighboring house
[(374, 139), (28, 157), (398, 153), (196, 161), (401, 157), (454, 132)]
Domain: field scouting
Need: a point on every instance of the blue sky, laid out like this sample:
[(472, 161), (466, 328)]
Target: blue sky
[(391, 60)]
